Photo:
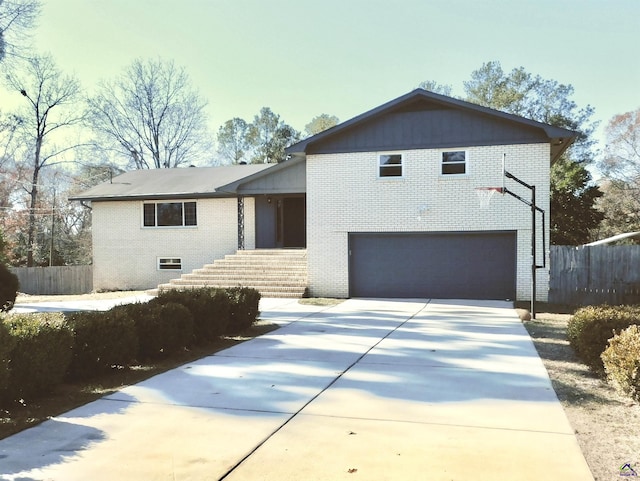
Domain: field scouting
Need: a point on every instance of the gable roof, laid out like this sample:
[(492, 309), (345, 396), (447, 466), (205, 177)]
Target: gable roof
[(286, 177), (192, 182), (423, 119)]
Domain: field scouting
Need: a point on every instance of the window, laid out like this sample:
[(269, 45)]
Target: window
[(169, 263), (390, 165), (454, 162), (169, 214)]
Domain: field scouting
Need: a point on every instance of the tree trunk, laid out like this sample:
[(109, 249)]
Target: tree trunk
[(32, 217), (34, 202)]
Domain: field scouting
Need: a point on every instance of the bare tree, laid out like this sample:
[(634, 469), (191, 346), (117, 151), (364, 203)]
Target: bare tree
[(16, 17), (50, 97), (622, 156), (621, 169), (151, 116)]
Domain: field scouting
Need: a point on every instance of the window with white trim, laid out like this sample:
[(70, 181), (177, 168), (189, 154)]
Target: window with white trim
[(390, 165), (169, 263), (454, 162), (169, 214)]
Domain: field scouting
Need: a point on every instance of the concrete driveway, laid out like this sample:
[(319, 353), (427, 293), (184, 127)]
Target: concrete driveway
[(367, 389)]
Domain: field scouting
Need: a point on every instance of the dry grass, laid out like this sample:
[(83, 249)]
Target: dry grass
[(320, 301), (94, 296), (607, 425)]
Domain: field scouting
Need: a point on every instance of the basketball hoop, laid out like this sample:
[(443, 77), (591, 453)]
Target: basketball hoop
[(485, 194)]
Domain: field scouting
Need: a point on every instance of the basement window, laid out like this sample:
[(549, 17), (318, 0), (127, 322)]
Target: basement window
[(169, 214), (169, 263), (390, 165), (454, 162)]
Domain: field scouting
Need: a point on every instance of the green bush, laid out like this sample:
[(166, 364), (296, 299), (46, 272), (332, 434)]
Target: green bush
[(9, 286), (41, 355), (244, 308), (622, 362), (177, 323), (591, 327), (7, 344), (161, 328), (208, 306), (102, 340)]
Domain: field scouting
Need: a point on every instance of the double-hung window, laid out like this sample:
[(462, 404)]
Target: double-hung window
[(169, 214), (390, 165), (454, 162)]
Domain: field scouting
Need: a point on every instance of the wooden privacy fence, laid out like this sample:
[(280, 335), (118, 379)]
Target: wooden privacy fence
[(601, 274), (55, 280)]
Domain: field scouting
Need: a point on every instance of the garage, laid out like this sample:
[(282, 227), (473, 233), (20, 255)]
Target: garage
[(451, 265)]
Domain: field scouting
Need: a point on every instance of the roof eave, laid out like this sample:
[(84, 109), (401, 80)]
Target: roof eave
[(555, 134), (232, 187), (158, 196)]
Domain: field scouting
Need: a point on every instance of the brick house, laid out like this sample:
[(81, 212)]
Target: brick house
[(385, 204)]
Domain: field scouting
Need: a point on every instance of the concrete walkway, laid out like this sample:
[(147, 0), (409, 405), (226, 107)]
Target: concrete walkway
[(69, 306), (367, 389)]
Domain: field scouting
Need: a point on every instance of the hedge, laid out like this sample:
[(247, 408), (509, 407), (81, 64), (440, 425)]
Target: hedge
[(244, 308), (7, 344), (590, 329), (9, 286), (41, 355), (622, 362), (161, 328), (37, 351), (209, 307), (102, 340)]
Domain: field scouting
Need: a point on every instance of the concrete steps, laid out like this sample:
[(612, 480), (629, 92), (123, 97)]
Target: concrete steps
[(273, 272)]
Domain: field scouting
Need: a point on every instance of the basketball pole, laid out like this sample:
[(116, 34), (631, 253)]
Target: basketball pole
[(534, 208)]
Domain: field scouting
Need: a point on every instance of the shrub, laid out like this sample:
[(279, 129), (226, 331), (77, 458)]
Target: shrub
[(9, 286), (591, 327), (102, 340), (41, 355), (161, 328), (177, 324), (7, 343), (208, 306), (244, 308), (622, 362)]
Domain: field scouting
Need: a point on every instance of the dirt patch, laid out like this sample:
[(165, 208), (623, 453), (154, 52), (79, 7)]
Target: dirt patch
[(607, 425), (320, 301)]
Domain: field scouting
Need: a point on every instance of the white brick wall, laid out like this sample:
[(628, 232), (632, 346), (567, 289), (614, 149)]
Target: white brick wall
[(344, 194), (125, 253)]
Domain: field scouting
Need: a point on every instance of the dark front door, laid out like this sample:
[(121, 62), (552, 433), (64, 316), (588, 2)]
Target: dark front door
[(294, 222), (280, 222)]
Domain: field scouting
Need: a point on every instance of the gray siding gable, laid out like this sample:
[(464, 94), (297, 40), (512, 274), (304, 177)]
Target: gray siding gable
[(288, 177), (425, 120), (427, 130)]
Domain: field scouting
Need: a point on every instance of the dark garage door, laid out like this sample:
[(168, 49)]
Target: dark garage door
[(444, 265)]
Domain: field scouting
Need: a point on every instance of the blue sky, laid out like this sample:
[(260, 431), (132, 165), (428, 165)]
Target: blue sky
[(343, 57)]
